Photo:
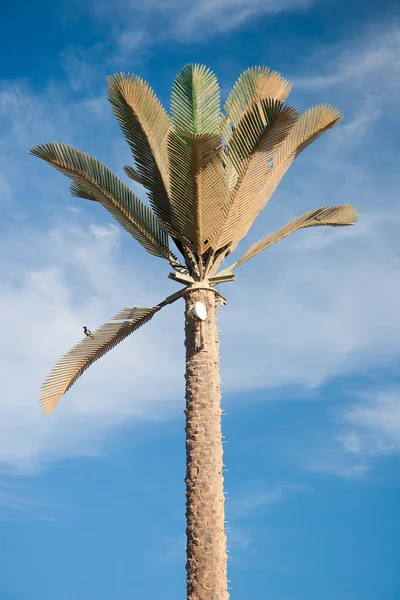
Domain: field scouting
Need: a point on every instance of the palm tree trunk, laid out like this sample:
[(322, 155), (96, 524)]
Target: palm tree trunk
[(206, 540)]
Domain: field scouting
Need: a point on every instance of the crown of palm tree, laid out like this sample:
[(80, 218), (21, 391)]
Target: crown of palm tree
[(207, 173)]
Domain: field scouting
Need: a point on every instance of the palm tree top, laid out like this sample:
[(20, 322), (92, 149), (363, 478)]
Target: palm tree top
[(208, 173)]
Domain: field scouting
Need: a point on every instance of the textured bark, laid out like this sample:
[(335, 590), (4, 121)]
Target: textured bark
[(206, 541)]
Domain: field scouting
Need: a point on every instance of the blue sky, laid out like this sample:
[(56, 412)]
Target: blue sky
[(92, 499)]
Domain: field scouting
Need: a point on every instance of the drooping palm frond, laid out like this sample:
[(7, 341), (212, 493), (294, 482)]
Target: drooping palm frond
[(311, 125), (198, 178), (94, 181), (334, 216), (146, 126), (71, 366)]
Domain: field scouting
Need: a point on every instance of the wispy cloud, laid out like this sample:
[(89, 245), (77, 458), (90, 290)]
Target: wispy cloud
[(134, 27), (339, 465), (44, 309), (218, 16), (238, 538), (14, 502), (170, 549), (373, 425), (320, 310), (16, 506), (321, 304), (260, 496), (63, 271), (366, 430), (372, 60)]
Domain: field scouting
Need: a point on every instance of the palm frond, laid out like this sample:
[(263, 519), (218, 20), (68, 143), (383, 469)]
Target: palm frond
[(255, 84), (198, 178), (75, 189), (257, 135), (146, 125), (94, 181), (73, 364), (334, 216), (199, 186), (311, 125), (251, 151), (195, 102), (133, 174)]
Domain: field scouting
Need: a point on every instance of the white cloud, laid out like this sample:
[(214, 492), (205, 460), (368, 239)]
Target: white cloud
[(134, 28), (17, 506), (13, 502), (374, 425), (238, 539), (321, 304), (64, 270), (258, 496), (220, 16), (77, 278), (338, 464), (5, 190), (169, 549), (366, 430), (316, 311), (372, 60)]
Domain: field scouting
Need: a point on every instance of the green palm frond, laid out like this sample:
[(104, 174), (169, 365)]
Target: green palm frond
[(195, 102), (94, 181), (198, 177), (146, 126), (73, 364), (334, 216)]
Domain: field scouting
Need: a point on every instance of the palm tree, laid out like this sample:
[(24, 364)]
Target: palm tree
[(207, 175)]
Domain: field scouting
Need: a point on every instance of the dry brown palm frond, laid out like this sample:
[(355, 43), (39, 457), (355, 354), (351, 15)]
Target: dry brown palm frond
[(233, 178), (71, 366), (199, 187), (146, 126), (94, 181), (311, 125), (334, 216), (306, 130), (255, 84), (251, 149), (257, 135)]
